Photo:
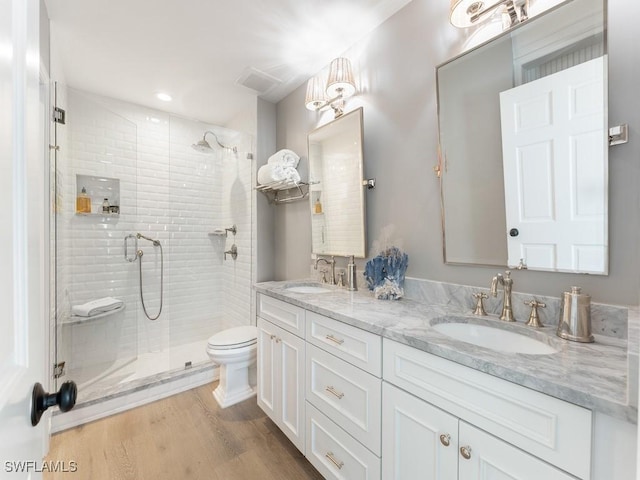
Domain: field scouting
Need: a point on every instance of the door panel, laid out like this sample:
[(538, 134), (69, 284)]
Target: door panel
[(267, 379), (555, 170), (292, 350), (493, 459), (411, 443), (23, 350)]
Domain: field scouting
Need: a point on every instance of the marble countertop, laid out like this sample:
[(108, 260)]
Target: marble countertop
[(592, 375)]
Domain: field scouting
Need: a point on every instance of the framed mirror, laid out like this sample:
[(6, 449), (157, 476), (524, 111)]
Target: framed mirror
[(336, 193), (523, 139)]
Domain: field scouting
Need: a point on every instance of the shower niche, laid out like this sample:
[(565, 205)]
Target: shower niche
[(97, 190)]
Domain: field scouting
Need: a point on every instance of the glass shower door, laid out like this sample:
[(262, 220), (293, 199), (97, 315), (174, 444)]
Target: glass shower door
[(94, 209)]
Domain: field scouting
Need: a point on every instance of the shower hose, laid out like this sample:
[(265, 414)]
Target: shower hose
[(144, 308)]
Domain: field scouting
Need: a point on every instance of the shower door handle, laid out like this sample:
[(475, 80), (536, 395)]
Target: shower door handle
[(126, 248)]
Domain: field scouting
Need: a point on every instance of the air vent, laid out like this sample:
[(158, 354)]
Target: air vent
[(257, 80)]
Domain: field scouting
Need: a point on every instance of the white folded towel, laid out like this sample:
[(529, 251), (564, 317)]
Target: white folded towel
[(284, 157), (275, 173), (96, 307)]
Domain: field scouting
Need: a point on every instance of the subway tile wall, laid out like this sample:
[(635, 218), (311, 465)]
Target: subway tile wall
[(169, 192)]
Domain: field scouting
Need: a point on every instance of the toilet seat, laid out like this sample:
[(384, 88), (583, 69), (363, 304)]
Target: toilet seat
[(234, 338)]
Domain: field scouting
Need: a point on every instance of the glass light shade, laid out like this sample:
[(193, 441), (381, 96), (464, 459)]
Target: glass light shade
[(315, 93), (462, 11), (340, 81)]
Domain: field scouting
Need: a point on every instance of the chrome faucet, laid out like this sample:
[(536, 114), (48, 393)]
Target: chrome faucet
[(332, 264), (507, 285)]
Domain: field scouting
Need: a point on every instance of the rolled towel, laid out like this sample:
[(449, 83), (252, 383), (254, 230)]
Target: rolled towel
[(287, 174), (96, 307), (284, 157), (269, 174)]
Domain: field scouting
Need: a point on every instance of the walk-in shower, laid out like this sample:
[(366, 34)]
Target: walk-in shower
[(171, 201)]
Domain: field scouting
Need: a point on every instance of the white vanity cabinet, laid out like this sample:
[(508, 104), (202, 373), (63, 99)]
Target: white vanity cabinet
[(462, 413), (423, 441), (281, 366)]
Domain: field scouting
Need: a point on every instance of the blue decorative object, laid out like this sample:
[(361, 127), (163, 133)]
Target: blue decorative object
[(385, 274)]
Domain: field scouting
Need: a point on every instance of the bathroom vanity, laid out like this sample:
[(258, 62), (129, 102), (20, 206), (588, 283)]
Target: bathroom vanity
[(369, 389)]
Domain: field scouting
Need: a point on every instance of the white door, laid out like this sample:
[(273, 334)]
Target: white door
[(485, 457), (418, 439), (22, 241), (555, 170)]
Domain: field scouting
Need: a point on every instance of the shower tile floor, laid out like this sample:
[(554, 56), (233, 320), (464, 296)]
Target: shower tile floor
[(102, 381)]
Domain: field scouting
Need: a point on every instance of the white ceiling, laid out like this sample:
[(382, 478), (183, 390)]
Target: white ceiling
[(196, 50)]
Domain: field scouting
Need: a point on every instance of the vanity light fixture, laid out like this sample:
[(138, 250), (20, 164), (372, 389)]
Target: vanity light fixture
[(339, 85), (467, 13)]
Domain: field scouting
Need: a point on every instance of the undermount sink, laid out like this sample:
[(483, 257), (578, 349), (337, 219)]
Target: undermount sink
[(307, 289), (494, 338)]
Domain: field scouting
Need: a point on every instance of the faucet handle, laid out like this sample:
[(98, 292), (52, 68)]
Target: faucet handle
[(340, 282), (534, 320), (323, 279), (480, 296)]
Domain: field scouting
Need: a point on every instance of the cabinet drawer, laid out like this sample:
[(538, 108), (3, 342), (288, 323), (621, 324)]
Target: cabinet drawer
[(346, 394), (551, 429), (283, 314), (335, 453), (362, 349)]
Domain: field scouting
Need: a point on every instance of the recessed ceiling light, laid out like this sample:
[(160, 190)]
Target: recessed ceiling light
[(165, 97)]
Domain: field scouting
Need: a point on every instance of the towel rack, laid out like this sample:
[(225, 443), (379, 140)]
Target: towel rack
[(297, 191)]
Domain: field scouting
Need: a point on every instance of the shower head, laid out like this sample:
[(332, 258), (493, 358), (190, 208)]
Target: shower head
[(204, 147)]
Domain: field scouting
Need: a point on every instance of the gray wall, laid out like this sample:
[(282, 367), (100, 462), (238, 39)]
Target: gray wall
[(266, 145), (395, 66)]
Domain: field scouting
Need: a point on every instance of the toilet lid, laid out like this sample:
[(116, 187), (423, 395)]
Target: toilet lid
[(235, 337)]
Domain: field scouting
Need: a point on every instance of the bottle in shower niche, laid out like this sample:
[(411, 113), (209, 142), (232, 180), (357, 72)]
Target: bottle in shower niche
[(83, 202), (105, 206), (317, 207)]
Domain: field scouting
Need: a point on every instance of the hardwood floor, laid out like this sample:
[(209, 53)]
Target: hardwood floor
[(187, 436)]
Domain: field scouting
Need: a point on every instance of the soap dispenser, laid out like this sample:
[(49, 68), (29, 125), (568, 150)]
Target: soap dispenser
[(83, 202), (575, 316)]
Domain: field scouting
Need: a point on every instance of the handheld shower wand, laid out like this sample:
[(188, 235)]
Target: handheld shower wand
[(139, 254)]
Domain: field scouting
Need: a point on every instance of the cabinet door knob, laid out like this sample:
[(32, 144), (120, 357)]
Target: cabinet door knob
[(465, 452), (273, 337), (445, 439)]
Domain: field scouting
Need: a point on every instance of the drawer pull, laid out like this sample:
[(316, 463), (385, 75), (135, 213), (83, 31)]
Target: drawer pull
[(273, 337), (334, 339), (337, 463), (465, 452), (445, 439), (332, 390)]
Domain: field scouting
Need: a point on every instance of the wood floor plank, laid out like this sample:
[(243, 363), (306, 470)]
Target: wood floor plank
[(186, 436)]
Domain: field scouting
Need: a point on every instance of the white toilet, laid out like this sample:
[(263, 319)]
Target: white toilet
[(234, 350)]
